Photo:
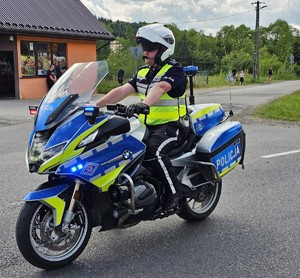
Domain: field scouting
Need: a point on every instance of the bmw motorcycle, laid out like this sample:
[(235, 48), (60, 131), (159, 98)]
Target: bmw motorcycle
[(96, 175)]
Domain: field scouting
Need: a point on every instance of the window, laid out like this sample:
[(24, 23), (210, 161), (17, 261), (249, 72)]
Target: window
[(36, 57), (44, 57), (27, 59)]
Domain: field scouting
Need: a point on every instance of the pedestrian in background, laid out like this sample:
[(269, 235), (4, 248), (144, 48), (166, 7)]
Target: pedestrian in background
[(270, 73), (59, 69), (229, 77), (51, 76), (242, 77), (234, 76)]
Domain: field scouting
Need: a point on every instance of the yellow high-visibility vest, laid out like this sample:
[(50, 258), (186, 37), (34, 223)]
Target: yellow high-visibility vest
[(168, 109)]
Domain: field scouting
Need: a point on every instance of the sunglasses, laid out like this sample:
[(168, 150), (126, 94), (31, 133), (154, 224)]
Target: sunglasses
[(149, 47)]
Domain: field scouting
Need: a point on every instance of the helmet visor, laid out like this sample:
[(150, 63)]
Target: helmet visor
[(148, 46)]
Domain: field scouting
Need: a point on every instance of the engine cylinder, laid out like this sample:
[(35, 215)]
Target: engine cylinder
[(144, 194)]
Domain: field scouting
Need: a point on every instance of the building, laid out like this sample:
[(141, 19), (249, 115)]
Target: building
[(36, 33)]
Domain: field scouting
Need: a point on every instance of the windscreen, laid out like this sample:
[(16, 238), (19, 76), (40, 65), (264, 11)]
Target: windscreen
[(72, 90)]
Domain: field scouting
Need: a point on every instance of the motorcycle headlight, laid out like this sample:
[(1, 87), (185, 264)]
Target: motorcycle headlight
[(53, 151), (37, 155)]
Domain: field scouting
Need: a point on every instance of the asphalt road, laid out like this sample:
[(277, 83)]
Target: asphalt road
[(254, 231)]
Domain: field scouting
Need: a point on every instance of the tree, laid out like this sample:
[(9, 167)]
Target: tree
[(270, 60), (103, 50), (296, 47), (122, 58), (280, 40), (231, 46)]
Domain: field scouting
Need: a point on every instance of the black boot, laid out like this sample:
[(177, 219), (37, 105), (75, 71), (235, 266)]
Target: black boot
[(171, 201)]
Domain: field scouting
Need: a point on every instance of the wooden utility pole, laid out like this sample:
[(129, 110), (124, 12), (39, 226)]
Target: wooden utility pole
[(256, 41)]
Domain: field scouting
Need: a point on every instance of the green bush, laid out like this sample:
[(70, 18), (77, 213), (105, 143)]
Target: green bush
[(106, 85)]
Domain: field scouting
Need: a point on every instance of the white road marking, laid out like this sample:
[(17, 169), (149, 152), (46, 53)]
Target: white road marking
[(16, 204), (280, 154)]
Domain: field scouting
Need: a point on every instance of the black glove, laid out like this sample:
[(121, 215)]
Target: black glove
[(136, 108)]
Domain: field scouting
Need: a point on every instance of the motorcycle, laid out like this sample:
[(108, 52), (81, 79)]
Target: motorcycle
[(94, 160)]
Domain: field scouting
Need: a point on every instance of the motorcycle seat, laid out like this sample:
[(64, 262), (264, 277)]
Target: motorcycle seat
[(186, 146)]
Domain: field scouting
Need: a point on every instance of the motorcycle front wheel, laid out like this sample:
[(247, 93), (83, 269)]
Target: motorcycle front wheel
[(199, 208), (46, 246)]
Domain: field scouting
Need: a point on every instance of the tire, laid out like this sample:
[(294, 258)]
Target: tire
[(200, 208), (46, 246)]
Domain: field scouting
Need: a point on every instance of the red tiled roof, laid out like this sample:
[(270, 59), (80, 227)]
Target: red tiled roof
[(57, 18)]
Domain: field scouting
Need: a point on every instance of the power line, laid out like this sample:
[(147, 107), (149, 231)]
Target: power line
[(211, 19), (271, 14)]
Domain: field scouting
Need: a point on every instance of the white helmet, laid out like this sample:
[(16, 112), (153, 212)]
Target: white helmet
[(157, 34)]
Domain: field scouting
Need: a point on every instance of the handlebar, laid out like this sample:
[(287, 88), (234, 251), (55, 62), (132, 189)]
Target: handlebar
[(116, 107), (121, 110)]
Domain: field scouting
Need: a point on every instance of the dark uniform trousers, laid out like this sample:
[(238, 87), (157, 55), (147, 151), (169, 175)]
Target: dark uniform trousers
[(162, 140)]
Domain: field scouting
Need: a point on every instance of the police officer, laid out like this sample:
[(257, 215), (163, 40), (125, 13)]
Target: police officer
[(161, 85)]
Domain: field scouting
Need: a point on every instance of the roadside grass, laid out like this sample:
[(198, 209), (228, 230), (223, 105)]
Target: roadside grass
[(210, 81), (285, 108), (199, 81)]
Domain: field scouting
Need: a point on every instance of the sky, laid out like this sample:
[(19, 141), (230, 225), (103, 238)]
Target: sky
[(208, 16)]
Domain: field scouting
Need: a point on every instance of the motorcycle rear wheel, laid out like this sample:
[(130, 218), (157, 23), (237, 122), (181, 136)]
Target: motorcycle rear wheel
[(201, 207), (46, 246)]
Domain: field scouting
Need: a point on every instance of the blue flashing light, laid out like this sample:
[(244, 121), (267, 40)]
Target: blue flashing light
[(89, 109), (75, 168), (190, 70)]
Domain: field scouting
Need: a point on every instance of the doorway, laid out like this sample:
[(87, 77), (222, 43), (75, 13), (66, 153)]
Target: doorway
[(7, 75)]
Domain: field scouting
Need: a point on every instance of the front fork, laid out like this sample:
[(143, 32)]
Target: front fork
[(69, 213)]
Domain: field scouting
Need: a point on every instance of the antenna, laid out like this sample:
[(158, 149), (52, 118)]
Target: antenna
[(230, 105), (229, 82)]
